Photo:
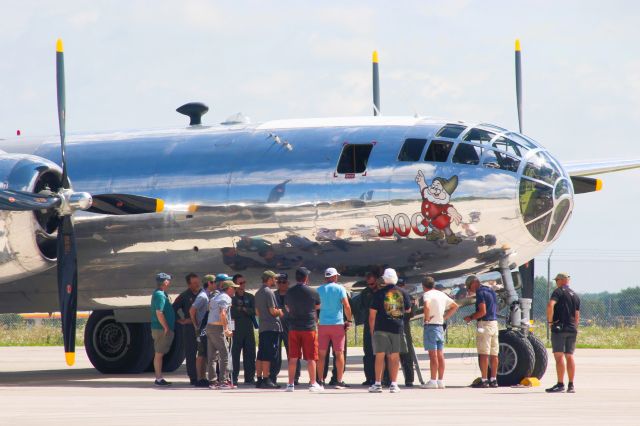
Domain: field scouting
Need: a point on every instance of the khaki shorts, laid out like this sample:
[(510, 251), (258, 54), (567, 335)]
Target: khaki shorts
[(389, 343), (161, 342), (487, 340)]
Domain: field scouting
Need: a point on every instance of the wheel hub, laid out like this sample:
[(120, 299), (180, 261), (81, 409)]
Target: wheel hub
[(111, 339), (508, 359)]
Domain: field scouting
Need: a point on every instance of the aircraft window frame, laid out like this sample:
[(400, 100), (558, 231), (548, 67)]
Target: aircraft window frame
[(359, 164), (510, 147), (453, 128), (560, 216), (539, 227), (505, 162), (412, 142), (441, 159), (478, 151), (540, 167), (538, 193), (521, 140), (483, 136)]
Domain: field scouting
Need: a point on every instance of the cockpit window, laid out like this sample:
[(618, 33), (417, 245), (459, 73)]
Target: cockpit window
[(559, 216), (522, 140), (509, 146), (354, 158), (450, 131), (438, 151), (478, 136), (497, 160), (467, 154), (411, 150), (542, 168), (536, 199), (539, 228)]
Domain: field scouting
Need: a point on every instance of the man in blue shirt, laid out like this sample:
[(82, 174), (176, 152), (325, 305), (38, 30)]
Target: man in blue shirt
[(162, 324), (487, 333), (331, 325)]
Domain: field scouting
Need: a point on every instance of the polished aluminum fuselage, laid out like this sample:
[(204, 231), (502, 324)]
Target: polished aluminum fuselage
[(238, 202)]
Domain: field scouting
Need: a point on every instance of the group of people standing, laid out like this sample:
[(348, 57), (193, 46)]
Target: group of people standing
[(218, 319)]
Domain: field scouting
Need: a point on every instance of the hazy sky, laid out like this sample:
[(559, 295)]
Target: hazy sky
[(129, 64)]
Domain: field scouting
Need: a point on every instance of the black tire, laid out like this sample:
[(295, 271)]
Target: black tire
[(117, 348), (516, 358), (540, 351)]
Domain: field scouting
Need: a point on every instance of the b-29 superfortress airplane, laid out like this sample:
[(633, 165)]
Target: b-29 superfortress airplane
[(423, 195)]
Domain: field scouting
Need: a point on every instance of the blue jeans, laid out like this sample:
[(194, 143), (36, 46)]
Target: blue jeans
[(433, 337)]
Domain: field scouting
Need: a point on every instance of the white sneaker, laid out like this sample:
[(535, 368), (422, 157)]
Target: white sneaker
[(375, 388), (289, 388), (315, 388), (394, 388), (441, 384), (431, 384)]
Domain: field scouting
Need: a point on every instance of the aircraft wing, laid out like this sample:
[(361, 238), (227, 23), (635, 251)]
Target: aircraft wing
[(584, 168)]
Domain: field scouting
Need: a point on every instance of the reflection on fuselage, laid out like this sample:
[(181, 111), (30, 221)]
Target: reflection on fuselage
[(237, 202)]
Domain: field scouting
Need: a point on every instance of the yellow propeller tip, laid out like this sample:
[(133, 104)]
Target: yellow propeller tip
[(517, 45), (59, 47), (375, 56), (70, 357), (598, 184), (159, 205)]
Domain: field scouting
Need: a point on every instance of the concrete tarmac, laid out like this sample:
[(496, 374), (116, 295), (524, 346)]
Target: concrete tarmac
[(36, 387)]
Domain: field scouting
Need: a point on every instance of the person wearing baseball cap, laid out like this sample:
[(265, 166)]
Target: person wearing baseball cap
[(487, 331), (332, 325), (563, 315), (163, 320), (269, 329), (219, 330)]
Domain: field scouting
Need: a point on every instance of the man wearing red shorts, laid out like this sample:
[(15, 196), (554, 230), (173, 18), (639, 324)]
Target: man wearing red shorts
[(302, 303), (332, 326)]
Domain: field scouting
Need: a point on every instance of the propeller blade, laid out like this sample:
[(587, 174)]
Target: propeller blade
[(68, 286), (18, 201), (519, 84), (376, 84), (583, 184), (121, 204), (62, 114)]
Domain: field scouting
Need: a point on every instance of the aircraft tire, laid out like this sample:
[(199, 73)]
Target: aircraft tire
[(516, 358), (540, 351), (117, 348)]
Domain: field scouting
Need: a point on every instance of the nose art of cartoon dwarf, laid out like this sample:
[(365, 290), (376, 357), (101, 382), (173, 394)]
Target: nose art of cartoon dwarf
[(436, 210)]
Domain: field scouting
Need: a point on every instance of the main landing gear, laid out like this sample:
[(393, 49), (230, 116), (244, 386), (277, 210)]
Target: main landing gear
[(115, 347), (521, 354)]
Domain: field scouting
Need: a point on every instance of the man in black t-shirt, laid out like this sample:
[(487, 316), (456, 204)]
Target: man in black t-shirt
[(386, 320), (563, 315)]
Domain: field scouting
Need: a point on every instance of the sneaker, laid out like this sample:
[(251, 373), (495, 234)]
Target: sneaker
[(296, 382), (375, 388), (431, 384), (333, 381), (204, 383), (341, 385), (493, 383), (259, 382), (289, 388), (226, 385), (320, 383), (408, 385), (394, 388), (162, 383), (315, 388), (250, 382), (558, 387), (480, 384), (193, 382), (268, 384), (570, 388), (441, 384), (367, 383)]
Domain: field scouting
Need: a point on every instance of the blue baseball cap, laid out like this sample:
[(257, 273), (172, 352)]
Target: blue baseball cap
[(161, 277), (282, 276), (222, 277)]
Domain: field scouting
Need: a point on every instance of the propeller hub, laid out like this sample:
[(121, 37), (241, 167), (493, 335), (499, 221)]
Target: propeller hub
[(72, 201)]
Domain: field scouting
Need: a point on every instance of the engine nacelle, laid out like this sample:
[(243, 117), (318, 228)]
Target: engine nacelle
[(27, 239)]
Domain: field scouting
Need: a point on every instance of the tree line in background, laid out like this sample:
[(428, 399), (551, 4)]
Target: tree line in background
[(605, 309)]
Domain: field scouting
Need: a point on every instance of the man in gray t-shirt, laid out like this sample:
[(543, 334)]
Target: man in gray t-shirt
[(269, 328), (197, 312)]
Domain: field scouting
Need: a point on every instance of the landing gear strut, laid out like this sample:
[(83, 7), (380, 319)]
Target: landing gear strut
[(521, 353)]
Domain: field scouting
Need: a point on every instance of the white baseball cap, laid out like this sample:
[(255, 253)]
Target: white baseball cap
[(390, 276), (330, 272)]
